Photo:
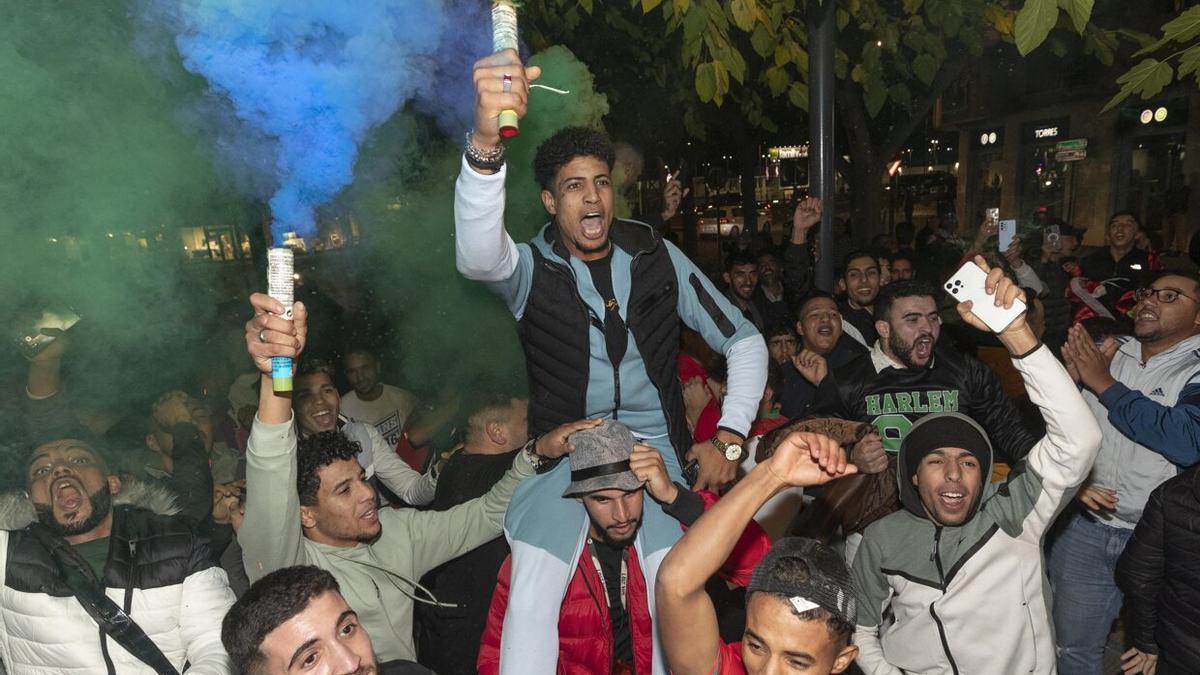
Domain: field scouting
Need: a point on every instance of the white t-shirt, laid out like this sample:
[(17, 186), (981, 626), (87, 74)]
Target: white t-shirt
[(388, 413)]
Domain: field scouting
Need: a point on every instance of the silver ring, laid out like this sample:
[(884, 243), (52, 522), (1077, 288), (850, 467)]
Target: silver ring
[(260, 336), (507, 83)]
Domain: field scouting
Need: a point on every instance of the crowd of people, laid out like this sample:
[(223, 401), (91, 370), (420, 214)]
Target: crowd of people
[(750, 477)]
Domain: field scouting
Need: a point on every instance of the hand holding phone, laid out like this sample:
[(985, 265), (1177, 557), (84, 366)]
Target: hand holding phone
[(1007, 231), (40, 330), (969, 283)]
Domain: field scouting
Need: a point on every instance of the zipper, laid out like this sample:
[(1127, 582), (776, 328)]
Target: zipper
[(591, 318), (131, 582), (936, 556)]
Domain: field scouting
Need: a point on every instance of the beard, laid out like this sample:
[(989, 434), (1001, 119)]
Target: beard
[(101, 501), (615, 542), (903, 351)]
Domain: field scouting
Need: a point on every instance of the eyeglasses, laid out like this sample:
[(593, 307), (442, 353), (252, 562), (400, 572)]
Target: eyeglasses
[(1163, 295)]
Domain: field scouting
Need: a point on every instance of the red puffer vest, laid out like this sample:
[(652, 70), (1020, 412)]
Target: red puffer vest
[(585, 642)]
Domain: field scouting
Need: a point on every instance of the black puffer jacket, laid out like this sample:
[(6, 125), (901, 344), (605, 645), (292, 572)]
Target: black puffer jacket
[(1160, 576)]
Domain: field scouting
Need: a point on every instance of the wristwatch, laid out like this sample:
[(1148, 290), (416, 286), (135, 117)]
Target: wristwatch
[(733, 452)]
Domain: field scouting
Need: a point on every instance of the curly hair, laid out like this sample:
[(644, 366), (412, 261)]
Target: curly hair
[(317, 451), (269, 603), (565, 145)]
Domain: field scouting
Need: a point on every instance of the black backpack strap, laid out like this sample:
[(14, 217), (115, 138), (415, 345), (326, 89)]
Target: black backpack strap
[(89, 592)]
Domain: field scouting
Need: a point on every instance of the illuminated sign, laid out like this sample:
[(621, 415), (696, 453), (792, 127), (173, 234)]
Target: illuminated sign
[(1046, 132), (990, 137), (788, 152)]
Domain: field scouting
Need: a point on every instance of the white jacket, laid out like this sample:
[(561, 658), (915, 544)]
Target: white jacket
[(45, 634)]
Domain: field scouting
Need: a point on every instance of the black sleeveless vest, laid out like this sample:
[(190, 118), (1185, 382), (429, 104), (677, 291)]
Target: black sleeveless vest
[(554, 333)]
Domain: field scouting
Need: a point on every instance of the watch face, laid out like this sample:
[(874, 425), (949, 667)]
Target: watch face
[(733, 452)]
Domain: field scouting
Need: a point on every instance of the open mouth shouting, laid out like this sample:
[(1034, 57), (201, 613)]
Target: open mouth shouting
[(923, 348), (68, 497), (953, 501), (592, 226)]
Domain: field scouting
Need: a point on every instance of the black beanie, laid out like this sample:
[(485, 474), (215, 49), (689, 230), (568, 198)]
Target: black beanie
[(944, 430)]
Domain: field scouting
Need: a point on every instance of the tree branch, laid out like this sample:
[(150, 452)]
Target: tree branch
[(950, 71)]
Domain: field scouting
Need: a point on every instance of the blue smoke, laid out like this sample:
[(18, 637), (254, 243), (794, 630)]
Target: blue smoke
[(313, 77)]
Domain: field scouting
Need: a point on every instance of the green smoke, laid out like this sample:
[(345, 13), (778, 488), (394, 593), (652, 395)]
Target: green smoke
[(96, 141), (97, 177), (450, 331)]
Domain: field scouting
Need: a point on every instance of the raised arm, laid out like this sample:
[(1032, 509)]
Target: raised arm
[(270, 534), (414, 488), (797, 256), (686, 619), (48, 413), (1063, 457)]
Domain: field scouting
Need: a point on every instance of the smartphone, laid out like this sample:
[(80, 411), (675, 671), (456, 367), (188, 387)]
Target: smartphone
[(968, 284), (30, 338), (691, 472), (1054, 237), (1007, 230)]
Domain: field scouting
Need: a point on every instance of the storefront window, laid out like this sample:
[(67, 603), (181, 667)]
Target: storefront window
[(1046, 183)]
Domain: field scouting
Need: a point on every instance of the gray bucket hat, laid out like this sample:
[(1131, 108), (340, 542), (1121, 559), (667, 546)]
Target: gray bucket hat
[(600, 460)]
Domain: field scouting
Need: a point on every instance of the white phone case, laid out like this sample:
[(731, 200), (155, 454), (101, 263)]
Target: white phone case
[(1006, 230), (968, 284)]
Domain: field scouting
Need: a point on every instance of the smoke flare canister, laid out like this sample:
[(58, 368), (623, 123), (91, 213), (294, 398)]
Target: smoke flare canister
[(280, 271), (504, 36)]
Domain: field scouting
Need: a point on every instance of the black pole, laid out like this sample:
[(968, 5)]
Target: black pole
[(821, 39)]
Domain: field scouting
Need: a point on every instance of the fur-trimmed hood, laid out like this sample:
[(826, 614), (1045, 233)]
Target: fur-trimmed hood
[(16, 510)]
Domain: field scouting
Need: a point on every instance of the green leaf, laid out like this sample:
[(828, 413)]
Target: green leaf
[(857, 73), (900, 95), (1034, 22), (874, 95), (799, 57), (586, 5), (778, 80), (721, 75), (762, 41), (649, 5), (743, 13), (1184, 27), (926, 68), (842, 18), (1080, 12), (1095, 45), (912, 6), (706, 82), (798, 95), (782, 55), (681, 6), (694, 24), (736, 63), (1147, 78), (1189, 62)]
